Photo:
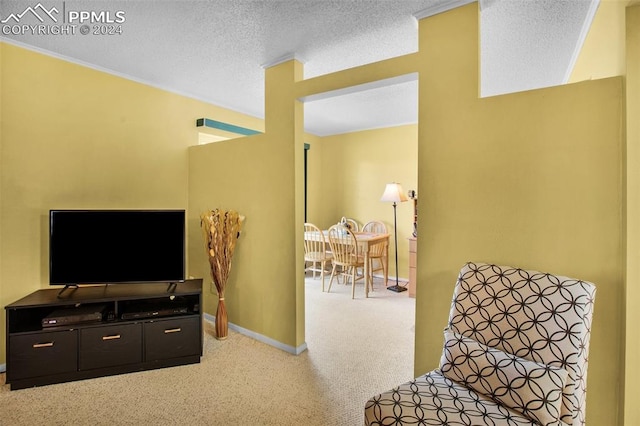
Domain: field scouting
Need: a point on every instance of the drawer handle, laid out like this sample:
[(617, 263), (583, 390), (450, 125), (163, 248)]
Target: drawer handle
[(173, 330), (114, 337), (43, 345)]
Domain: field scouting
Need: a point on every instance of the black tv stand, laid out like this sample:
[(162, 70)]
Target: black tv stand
[(74, 286), (172, 287), (41, 355)]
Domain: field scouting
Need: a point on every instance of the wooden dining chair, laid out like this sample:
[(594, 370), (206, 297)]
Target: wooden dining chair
[(378, 260), (354, 226), (344, 248), (375, 226), (378, 253), (315, 250)]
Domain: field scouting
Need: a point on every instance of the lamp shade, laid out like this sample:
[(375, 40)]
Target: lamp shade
[(393, 192)]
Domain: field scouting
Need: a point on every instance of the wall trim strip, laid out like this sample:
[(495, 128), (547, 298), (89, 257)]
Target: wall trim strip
[(207, 122)]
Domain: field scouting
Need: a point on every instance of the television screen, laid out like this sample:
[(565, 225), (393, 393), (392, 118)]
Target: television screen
[(116, 246)]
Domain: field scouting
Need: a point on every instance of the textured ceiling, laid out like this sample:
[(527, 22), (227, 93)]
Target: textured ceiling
[(531, 44), (215, 50)]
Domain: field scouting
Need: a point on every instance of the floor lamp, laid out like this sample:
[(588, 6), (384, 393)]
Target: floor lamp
[(393, 193)]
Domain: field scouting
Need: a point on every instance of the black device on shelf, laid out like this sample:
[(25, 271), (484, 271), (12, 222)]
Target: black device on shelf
[(155, 309), (92, 337), (116, 246), (75, 315)]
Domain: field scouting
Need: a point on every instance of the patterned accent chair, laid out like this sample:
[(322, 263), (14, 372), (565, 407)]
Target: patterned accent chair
[(515, 353)]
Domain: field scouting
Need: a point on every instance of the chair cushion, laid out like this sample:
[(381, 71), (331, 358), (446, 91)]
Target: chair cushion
[(528, 387), (433, 399)]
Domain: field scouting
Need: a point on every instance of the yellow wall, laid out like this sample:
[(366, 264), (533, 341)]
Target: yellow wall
[(612, 48), (260, 177), (357, 166), (73, 137), (632, 350), (530, 179)]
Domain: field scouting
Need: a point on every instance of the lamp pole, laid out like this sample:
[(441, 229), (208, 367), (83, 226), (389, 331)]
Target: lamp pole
[(393, 192), (397, 288)]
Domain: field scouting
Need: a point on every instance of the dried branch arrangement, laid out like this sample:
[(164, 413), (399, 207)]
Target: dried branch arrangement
[(221, 230)]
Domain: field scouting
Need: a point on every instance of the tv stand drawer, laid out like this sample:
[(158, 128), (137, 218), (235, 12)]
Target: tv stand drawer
[(110, 345), (172, 338), (39, 354)]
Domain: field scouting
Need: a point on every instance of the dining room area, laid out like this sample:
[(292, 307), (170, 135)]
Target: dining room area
[(351, 253), (356, 231)]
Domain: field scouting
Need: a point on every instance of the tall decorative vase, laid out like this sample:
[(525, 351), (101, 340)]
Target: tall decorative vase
[(221, 230)]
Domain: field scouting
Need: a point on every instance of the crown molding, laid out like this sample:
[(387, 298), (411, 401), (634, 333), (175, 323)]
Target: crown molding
[(281, 59), (124, 76), (586, 26), (441, 8)]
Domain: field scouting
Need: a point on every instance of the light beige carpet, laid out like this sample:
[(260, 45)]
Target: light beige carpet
[(356, 348)]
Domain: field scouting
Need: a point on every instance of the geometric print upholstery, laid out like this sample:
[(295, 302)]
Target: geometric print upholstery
[(433, 399), (528, 387), (531, 315)]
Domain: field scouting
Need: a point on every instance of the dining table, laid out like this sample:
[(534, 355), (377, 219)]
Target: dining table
[(365, 240)]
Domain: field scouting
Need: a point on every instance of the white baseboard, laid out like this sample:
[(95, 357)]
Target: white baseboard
[(261, 338), (3, 368)]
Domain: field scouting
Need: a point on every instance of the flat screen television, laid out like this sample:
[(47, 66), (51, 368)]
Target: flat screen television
[(116, 246)]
